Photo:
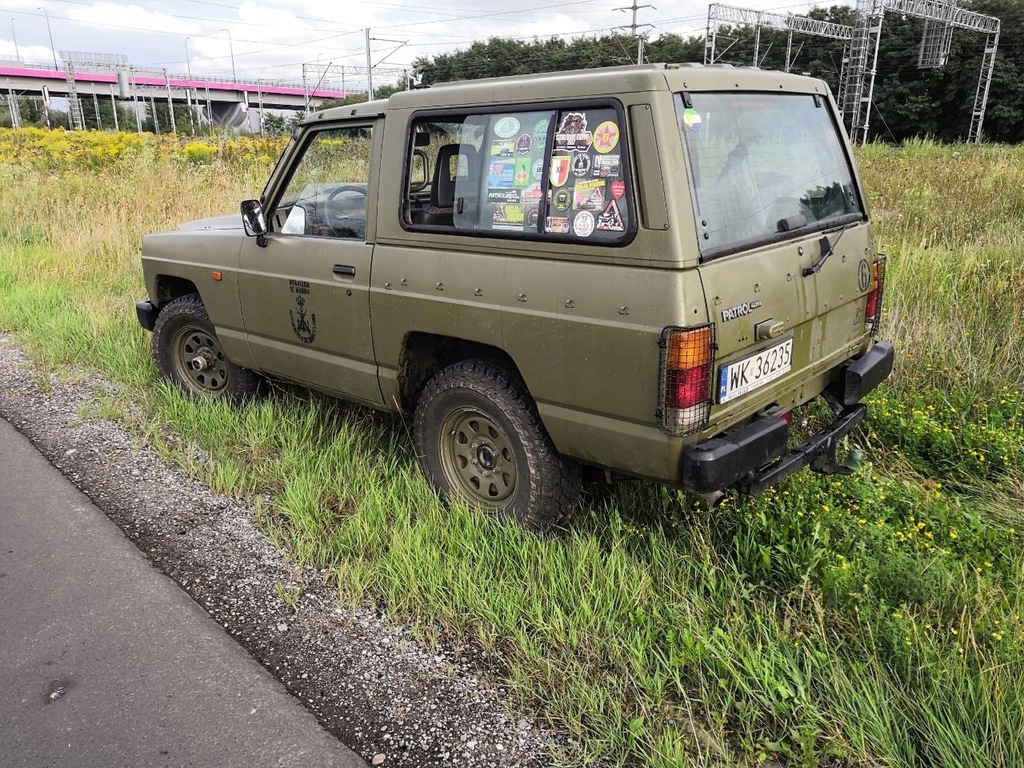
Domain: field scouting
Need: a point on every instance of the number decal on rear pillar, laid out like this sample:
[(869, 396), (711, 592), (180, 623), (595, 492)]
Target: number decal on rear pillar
[(863, 275)]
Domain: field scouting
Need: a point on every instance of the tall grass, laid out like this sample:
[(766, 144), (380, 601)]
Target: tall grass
[(864, 621)]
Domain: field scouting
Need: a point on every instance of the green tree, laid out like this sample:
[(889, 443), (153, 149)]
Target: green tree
[(1004, 119), (162, 123), (32, 113), (274, 124), (125, 115), (908, 101)]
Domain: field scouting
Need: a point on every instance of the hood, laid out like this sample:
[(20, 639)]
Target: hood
[(228, 221)]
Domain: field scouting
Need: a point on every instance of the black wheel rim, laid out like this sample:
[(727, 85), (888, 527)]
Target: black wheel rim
[(199, 361), (477, 459)]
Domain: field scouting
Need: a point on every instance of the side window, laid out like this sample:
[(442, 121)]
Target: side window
[(551, 174), (449, 151), (326, 195)]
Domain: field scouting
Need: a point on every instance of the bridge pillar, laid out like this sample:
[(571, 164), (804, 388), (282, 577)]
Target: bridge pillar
[(232, 114)]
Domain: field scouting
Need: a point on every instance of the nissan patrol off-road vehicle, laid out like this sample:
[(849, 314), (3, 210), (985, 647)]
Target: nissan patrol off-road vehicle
[(642, 269)]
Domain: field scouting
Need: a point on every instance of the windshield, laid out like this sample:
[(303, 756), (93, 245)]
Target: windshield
[(763, 166)]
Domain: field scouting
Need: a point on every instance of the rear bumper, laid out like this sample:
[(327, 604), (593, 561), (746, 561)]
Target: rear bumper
[(751, 458), (146, 312)]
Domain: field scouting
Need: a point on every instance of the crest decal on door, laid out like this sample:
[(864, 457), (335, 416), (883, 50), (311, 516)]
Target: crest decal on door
[(304, 328)]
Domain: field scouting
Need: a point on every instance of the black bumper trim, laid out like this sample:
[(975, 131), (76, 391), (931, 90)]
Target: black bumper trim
[(751, 458), (818, 451), (146, 312), (721, 461), (864, 374)]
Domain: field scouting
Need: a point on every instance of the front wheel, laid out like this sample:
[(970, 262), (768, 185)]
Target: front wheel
[(188, 353), (479, 439)]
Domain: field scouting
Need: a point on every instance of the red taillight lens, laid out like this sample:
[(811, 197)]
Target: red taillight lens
[(687, 361), (690, 388), (873, 306)]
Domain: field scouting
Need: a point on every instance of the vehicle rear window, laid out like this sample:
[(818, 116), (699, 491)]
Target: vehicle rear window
[(763, 167), (553, 174)]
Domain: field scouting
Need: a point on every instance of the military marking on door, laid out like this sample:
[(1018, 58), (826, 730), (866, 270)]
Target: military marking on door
[(304, 329)]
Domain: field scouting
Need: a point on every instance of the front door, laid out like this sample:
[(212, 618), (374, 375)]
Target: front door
[(305, 294)]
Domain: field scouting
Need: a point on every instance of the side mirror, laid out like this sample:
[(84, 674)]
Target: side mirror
[(253, 220)]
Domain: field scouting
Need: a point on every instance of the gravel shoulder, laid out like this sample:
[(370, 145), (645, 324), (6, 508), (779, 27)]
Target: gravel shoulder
[(365, 678)]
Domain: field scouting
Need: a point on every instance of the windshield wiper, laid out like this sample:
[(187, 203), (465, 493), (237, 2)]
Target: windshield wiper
[(827, 249)]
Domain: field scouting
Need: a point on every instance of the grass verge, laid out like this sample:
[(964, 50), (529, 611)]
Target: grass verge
[(871, 620)]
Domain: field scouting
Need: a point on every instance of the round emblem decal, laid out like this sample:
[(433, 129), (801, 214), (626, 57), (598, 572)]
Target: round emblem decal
[(583, 224), (606, 137), (506, 127)]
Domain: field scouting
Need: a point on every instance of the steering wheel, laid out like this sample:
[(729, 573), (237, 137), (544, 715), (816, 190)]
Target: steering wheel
[(340, 217)]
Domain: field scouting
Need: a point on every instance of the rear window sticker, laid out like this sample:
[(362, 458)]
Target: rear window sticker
[(588, 195), (508, 216), (562, 200), (503, 196), (573, 133), (691, 119), (524, 144), (611, 219), (606, 137), (618, 189), (501, 174), (607, 165), (532, 194), (558, 225), (538, 169), (503, 148), (540, 131), (506, 127), (559, 173), (580, 164), (523, 172), (583, 224), (533, 218)]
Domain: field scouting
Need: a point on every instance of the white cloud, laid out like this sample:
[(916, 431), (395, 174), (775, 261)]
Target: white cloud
[(129, 18), (272, 38)]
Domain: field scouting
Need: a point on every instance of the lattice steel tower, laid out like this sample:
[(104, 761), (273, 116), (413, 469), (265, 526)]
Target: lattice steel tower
[(941, 17), (861, 41)]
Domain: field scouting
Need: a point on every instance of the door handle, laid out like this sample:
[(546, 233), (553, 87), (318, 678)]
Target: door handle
[(344, 270)]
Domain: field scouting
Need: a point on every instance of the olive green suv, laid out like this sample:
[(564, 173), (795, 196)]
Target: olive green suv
[(639, 269)]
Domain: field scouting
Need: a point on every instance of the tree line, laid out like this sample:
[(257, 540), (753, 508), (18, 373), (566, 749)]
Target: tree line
[(908, 101)]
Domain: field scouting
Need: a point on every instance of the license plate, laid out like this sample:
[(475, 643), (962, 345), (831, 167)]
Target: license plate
[(742, 376)]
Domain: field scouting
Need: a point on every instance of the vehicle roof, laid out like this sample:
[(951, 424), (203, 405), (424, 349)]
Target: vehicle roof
[(603, 81)]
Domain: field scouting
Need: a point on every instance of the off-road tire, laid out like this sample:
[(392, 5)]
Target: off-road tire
[(479, 439), (183, 333)]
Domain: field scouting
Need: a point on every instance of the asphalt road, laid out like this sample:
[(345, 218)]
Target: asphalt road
[(104, 661)]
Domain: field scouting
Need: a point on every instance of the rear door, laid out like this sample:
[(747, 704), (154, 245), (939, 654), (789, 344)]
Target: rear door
[(783, 237)]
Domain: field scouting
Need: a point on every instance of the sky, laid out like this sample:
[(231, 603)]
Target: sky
[(272, 41)]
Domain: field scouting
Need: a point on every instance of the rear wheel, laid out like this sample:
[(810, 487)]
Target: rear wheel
[(188, 353), (479, 439)]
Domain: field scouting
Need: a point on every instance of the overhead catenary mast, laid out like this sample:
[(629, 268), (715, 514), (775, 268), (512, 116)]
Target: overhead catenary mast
[(860, 66)]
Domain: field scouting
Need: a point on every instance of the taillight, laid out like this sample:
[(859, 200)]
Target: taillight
[(873, 307), (687, 362)]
